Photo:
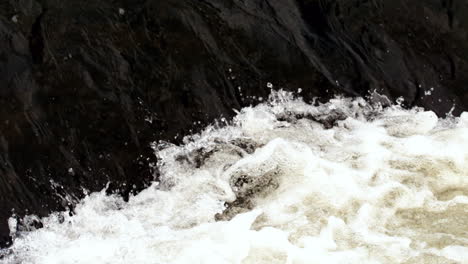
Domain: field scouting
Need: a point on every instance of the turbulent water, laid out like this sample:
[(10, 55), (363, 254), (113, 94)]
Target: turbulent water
[(284, 182)]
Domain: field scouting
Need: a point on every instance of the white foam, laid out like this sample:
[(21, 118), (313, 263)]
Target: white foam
[(369, 185)]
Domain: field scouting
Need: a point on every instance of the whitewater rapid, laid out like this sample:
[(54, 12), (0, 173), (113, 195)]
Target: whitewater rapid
[(284, 182)]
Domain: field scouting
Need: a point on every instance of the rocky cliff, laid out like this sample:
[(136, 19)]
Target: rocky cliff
[(86, 86)]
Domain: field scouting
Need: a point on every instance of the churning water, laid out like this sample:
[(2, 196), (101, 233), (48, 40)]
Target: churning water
[(285, 182)]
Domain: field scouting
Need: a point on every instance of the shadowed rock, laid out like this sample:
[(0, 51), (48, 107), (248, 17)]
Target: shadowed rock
[(85, 86)]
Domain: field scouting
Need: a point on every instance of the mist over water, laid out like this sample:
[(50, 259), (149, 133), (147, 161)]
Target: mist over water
[(284, 182)]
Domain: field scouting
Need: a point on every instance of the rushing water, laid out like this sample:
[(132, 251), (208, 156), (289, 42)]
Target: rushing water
[(285, 182)]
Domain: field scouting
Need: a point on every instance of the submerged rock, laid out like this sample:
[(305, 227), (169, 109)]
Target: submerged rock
[(86, 86)]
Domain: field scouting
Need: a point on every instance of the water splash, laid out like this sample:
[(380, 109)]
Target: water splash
[(284, 182)]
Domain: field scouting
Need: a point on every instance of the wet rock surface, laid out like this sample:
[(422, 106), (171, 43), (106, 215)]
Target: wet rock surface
[(86, 86)]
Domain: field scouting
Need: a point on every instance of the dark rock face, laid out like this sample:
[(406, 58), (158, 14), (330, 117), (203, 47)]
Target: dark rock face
[(85, 86)]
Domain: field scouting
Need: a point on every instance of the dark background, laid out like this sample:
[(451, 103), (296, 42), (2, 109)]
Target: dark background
[(78, 78)]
